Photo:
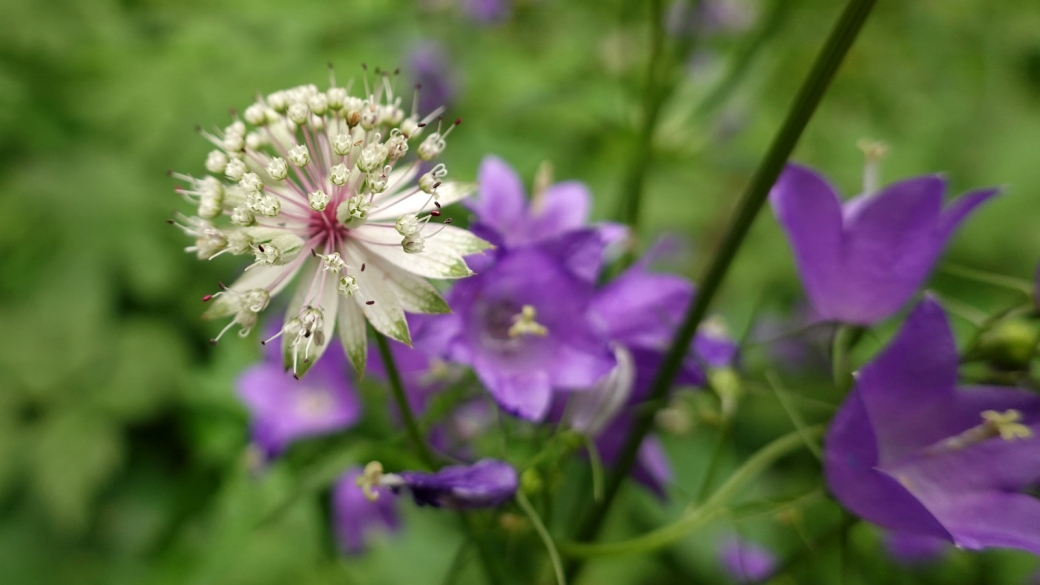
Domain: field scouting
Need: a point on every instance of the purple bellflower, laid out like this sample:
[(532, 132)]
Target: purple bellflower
[(912, 452), (484, 484), (284, 409), (488, 11), (521, 325), (356, 517), (862, 260), (747, 562)]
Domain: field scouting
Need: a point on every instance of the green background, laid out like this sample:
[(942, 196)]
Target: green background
[(122, 446)]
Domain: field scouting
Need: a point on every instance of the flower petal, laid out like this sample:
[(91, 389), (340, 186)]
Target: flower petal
[(908, 389), (589, 412), (378, 301), (258, 277), (435, 261), (808, 209), (562, 207), (419, 203), (994, 519), (415, 294), (352, 334), (500, 202)]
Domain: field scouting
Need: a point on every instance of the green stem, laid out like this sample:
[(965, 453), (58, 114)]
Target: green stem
[(458, 563), (845, 338), (543, 533), (823, 71), (998, 280), (715, 462), (698, 516), (654, 96), (397, 390)]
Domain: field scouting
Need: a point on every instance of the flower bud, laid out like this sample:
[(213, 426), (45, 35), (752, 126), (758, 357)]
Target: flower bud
[(278, 169), (216, 161)]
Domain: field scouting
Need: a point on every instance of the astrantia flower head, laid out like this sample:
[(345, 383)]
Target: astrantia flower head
[(319, 186), (912, 452)]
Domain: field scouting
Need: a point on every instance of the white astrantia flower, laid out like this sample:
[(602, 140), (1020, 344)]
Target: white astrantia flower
[(326, 194)]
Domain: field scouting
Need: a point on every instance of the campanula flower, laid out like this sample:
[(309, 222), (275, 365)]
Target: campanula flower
[(746, 561), (284, 409), (862, 260), (912, 452)]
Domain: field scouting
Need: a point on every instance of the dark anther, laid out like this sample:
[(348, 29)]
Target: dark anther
[(206, 298), (370, 302)]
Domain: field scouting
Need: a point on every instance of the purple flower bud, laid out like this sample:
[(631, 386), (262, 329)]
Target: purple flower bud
[(912, 452), (862, 260), (355, 517), (485, 484)]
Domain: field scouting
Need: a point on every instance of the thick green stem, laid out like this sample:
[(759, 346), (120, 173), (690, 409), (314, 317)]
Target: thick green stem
[(712, 507), (411, 426), (823, 71)]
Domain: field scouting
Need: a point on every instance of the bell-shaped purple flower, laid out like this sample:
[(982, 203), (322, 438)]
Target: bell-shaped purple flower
[(430, 70), (522, 326), (484, 484), (747, 562), (284, 409), (862, 260), (912, 452), (356, 517)]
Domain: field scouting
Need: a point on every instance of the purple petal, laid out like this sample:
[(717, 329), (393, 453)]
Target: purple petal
[(525, 395), (809, 210), (960, 208), (994, 520), (562, 207), (500, 201), (850, 462), (908, 388), (355, 518), (485, 484), (888, 249), (914, 549)]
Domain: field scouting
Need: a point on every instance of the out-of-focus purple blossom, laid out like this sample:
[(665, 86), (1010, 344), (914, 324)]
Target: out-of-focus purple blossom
[(484, 484), (355, 517), (912, 452), (284, 409), (914, 549), (685, 17), (431, 70), (862, 260), (505, 217), (746, 561), (488, 11), (796, 342), (522, 326)]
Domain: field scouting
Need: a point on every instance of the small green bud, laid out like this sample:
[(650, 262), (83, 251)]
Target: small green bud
[(1010, 345), (531, 481)]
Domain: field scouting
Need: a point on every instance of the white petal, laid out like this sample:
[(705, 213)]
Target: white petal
[(415, 294), (463, 242), (352, 334), (420, 202), (590, 411), (435, 261), (377, 300)]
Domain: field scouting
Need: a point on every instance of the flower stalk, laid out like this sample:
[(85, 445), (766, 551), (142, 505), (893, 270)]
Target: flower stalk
[(808, 98)]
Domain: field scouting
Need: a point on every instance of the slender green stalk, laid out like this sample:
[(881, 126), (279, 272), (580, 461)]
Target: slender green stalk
[(698, 516), (721, 439), (1018, 285), (845, 338), (543, 533), (397, 390), (823, 71), (792, 413), (458, 563), (654, 96)]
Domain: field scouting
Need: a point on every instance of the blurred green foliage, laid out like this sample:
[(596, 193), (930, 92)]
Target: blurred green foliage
[(122, 448)]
